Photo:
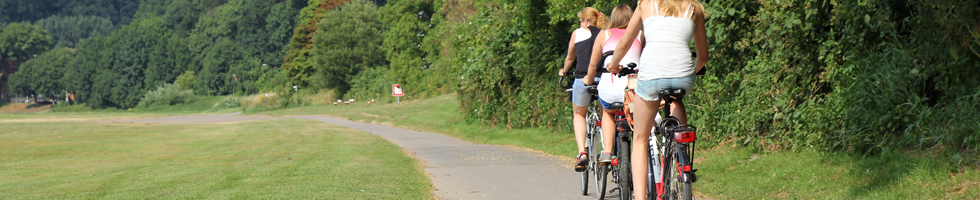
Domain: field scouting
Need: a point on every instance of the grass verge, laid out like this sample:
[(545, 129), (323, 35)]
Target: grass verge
[(272, 159), (726, 172)]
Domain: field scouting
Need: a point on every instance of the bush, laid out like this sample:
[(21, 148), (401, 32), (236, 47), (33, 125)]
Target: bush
[(167, 95), (186, 81), (229, 102)]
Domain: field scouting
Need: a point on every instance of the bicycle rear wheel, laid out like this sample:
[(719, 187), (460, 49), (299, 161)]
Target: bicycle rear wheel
[(673, 183), (625, 169)]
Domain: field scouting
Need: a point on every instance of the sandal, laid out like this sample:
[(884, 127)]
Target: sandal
[(582, 162)]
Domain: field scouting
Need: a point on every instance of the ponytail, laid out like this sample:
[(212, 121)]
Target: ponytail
[(594, 17)]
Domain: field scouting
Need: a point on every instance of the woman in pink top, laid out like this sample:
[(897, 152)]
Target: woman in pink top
[(612, 88), (665, 63)]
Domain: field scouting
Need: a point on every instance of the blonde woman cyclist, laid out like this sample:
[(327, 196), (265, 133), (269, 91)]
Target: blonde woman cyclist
[(580, 51), (611, 88), (665, 63)]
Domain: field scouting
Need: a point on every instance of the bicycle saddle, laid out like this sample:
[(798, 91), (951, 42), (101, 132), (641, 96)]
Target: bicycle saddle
[(676, 93), (616, 105), (591, 89)]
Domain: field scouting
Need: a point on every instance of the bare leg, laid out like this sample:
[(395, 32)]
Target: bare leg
[(578, 121), (677, 110), (608, 129), (645, 113)]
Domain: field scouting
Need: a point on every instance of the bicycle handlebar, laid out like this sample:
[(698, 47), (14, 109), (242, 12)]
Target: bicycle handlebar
[(567, 84)]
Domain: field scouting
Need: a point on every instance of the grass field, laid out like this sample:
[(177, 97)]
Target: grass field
[(726, 172), (77, 156)]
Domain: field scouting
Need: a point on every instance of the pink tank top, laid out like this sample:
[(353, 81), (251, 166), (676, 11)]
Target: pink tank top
[(612, 88)]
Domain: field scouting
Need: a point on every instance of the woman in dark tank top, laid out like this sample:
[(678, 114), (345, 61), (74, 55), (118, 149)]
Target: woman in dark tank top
[(580, 51)]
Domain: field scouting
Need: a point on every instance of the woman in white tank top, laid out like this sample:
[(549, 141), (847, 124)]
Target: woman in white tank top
[(665, 63)]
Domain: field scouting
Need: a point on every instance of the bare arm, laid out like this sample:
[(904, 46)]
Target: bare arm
[(700, 42), (596, 55), (633, 29), (570, 58)]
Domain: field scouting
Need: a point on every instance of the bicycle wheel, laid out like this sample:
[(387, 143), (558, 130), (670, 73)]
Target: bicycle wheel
[(625, 169), (599, 169), (673, 183), (668, 173), (600, 187), (585, 182)]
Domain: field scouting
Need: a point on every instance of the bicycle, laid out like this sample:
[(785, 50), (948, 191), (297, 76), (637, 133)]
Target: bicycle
[(677, 149), (671, 155), (593, 139), (619, 167)]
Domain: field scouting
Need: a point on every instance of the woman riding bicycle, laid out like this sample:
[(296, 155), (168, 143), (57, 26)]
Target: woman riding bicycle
[(665, 63), (611, 88), (580, 50)]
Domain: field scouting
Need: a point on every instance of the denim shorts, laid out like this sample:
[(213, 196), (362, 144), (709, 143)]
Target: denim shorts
[(580, 96), (606, 105), (650, 90)]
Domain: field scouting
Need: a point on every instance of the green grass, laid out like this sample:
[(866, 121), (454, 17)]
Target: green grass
[(725, 172), (54, 158), (440, 114)]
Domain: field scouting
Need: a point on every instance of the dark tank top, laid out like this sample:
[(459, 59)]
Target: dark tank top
[(583, 53)]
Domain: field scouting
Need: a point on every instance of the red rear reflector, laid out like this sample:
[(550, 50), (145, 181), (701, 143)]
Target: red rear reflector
[(684, 137), (615, 162), (687, 168)]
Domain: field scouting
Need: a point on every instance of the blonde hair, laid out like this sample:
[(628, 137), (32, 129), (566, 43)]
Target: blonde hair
[(676, 7), (620, 16), (594, 17)]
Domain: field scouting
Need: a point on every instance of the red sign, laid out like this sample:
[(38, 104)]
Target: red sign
[(396, 90)]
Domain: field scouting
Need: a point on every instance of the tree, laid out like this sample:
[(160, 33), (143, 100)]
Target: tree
[(297, 62), (22, 41), (67, 31), (408, 40), (348, 41), (44, 74), (218, 61)]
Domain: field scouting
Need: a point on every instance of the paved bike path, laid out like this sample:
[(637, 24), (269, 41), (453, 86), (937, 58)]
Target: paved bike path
[(465, 170)]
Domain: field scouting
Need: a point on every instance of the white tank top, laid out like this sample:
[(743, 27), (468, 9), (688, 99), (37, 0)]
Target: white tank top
[(667, 53), (612, 88)]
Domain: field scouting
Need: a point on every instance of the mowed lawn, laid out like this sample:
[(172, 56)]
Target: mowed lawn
[(270, 159)]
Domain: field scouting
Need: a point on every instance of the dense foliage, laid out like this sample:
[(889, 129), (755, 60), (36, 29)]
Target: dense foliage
[(865, 76), (44, 74), (21, 42), (119, 11), (348, 42), (67, 31)]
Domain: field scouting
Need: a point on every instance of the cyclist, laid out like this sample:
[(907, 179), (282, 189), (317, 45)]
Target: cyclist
[(665, 63), (580, 51), (611, 87)]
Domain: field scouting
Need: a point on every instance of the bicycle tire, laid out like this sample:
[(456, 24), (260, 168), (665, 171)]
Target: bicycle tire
[(585, 182), (600, 172), (600, 169), (668, 173), (625, 170)]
